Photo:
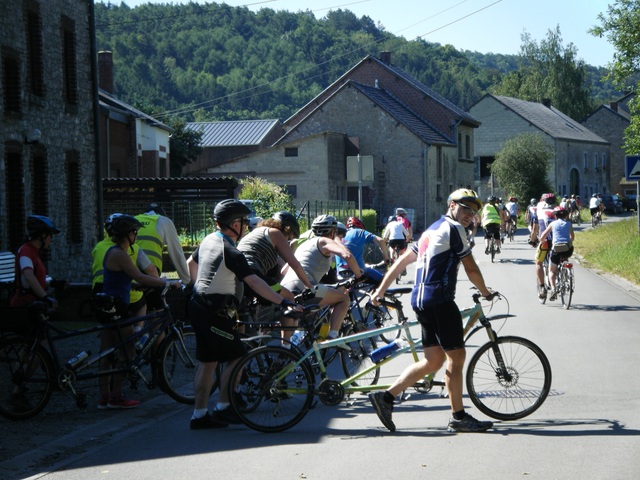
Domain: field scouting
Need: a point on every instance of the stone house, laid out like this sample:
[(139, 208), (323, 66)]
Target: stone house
[(132, 143), (48, 113), (610, 122), (580, 164), (418, 145)]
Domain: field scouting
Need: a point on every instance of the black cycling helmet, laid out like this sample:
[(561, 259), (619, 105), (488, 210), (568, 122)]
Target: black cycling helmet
[(492, 199), (228, 210), (533, 201), (287, 219), (122, 225), (39, 224), (323, 225), (108, 223), (154, 207)]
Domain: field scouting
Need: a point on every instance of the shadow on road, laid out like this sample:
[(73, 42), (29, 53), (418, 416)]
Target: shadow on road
[(592, 427), (605, 308)]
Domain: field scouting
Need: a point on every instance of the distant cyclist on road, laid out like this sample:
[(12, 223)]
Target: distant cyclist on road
[(355, 240), (545, 215), (395, 234), (491, 221), (401, 216), (562, 237)]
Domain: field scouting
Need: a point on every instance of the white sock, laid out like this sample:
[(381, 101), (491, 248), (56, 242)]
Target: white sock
[(222, 405), (199, 413), (333, 333)]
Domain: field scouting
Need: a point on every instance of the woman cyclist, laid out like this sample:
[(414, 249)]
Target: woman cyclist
[(561, 231)]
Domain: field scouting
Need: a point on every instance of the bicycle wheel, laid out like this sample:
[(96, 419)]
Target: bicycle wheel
[(384, 316), (565, 282), (26, 378), (177, 364), (492, 249), (513, 387), (265, 403), (357, 359)]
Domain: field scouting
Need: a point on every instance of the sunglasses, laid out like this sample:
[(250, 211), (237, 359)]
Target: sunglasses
[(465, 209)]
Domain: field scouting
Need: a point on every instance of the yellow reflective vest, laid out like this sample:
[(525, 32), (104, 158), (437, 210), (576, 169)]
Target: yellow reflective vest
[(97, 267), (149, 240)]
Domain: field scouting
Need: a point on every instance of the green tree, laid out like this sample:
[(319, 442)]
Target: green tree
[(183, 145), (268, 198), (621, 25), (521, 167), (550, 70)]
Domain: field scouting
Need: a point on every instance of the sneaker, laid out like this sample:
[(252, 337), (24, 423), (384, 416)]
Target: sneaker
[(383, 409), (497, 251), (486, 251), (553, 296), (122, 403), (205, 422), (226, 416), (542, 292), (103, 404), (468, 424)]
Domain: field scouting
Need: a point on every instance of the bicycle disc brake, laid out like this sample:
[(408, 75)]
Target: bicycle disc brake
[(330, 392)]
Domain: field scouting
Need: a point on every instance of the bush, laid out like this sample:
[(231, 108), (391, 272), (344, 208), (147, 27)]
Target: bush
[(268, 198)]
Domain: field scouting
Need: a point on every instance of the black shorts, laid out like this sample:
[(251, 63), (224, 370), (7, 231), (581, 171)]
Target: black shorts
[(556, 258), (492, 229), (441, 326), (217, 339), (399, 244)]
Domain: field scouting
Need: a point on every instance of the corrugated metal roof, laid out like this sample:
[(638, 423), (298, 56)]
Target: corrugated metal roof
[(232, 133), (403, 114), (550, 120)]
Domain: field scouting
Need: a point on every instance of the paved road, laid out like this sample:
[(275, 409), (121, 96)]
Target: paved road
[(589, 427)]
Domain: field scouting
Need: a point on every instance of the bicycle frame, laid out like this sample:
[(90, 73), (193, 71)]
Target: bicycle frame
[(471, 314)]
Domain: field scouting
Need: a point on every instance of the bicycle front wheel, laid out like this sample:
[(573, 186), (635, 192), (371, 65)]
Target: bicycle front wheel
[(508, 379), (270, 390), (384, 316), (26, 378), (565, 281), (357, 359), (177, 366)]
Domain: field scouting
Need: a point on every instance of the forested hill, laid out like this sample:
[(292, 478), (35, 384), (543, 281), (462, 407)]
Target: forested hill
[(216, 62)]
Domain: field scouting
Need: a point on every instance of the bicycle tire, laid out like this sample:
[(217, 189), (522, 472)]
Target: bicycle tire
[(264, 404), (492, 249), (518, 395), (357, 359), (383, 316), (177, 364), (36, 387), (565, 280)]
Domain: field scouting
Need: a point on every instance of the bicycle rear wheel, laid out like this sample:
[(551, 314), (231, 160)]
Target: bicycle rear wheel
[(269, 391), (357, 359), (26, 378), (492, 249), (177, 364), (508, 379), (384, 316), (565, 282)]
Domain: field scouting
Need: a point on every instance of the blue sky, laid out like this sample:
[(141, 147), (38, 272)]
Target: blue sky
[(480, 25)]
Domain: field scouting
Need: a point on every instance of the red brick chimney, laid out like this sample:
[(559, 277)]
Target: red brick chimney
[(614, 106), (105, 71), (546, 102), (385, 57)]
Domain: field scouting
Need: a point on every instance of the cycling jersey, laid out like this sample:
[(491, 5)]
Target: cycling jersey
[(355, 240), (315, 264), (28, 257), (439, 251), (259, 250), (395, 231)]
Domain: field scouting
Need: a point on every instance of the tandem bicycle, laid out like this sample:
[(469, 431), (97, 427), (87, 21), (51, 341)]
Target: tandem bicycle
[(272, 388), (31, 367)]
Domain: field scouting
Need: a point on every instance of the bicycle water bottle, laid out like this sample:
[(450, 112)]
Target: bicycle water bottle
[(296, 338), (324, 330), (78, 360), (381, 353), (141, 341)]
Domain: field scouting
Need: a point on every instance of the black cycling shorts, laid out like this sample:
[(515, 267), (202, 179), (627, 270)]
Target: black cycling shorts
[(441, 326), (399, 244), (492, 230), (217, 339)]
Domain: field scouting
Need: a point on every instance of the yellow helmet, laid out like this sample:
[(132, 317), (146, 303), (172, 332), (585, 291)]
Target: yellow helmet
[(465, 194)]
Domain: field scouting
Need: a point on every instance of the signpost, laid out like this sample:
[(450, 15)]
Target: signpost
[(360, 167), (632, 172)]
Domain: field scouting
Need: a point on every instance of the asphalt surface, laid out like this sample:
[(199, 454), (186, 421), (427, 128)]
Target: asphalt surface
[(588, 428)]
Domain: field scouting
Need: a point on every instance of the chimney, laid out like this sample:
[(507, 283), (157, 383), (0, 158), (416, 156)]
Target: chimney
[(614, 106), (105, 71), (385, 57), (546, 102)]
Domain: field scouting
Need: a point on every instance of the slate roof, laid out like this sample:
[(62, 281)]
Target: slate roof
[(550, 120), (233, 133), (402, 113)]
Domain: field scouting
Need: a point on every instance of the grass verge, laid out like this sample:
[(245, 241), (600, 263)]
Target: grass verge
[(612, 248)]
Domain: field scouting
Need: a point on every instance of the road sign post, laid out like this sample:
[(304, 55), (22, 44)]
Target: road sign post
[(632, 172)]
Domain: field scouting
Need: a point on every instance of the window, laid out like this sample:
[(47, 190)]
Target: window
[(596, 161), (467, 146), (34, 49), (74, 197), (39, 184), (15, 197), (11, 81), (291, 190), (604, 161), (291, 152), (439, 162), (69, 68), (459, 145), (586, 161)]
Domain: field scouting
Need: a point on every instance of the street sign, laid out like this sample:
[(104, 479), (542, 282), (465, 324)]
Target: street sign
[(354, 174), (632, 167)]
